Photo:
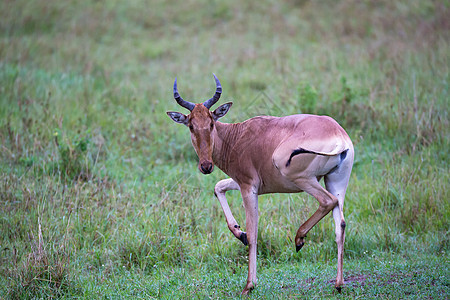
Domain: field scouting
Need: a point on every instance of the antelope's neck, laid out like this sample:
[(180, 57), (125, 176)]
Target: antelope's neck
[(225, 145)]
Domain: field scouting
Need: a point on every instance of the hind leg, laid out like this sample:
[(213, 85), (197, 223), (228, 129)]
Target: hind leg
[(327, 202), (339, 221), (336, 183)]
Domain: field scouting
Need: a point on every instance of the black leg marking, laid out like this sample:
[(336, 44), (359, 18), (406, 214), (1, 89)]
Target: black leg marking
[(243, 238), (343, 154), (343, 225), (300, 151), (298, 247)]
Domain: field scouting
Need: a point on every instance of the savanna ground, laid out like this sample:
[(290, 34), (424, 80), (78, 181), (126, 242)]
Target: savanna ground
[(99, 192)]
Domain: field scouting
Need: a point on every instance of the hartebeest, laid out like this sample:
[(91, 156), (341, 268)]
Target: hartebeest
[(272, 155)]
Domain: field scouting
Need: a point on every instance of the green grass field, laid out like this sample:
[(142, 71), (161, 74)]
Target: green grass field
[(100, 196)]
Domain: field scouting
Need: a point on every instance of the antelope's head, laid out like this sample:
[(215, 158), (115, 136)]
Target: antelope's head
[(202, 124)]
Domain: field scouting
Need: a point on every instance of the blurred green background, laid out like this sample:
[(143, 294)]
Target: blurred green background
[(100, 194)]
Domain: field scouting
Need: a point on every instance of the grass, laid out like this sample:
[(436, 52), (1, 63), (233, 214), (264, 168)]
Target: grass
[(99, 190)]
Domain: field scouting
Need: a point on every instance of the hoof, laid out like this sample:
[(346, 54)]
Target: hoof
[(243, 239), (245, 292), (299, 242), (338, 288), (248, 288)]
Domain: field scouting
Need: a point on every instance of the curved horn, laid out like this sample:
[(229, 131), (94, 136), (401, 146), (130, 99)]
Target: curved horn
[(216, 96), (180, 101)]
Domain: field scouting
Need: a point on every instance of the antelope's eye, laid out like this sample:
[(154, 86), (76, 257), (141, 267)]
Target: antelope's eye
[(191, 127), (212, 126)]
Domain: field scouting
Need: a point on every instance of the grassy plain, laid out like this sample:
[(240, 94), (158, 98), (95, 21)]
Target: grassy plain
[(99, 191)]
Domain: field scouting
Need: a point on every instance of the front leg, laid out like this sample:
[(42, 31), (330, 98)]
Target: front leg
[(250, 198), (220, 189)]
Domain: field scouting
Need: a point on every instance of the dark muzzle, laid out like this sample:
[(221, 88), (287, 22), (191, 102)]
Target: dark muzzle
[(206, 167)]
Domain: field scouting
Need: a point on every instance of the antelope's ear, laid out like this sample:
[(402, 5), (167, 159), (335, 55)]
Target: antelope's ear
[(221, 111), (178, 117)]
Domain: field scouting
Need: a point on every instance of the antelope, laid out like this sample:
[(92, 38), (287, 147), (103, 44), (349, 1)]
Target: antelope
[(267, 154)]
